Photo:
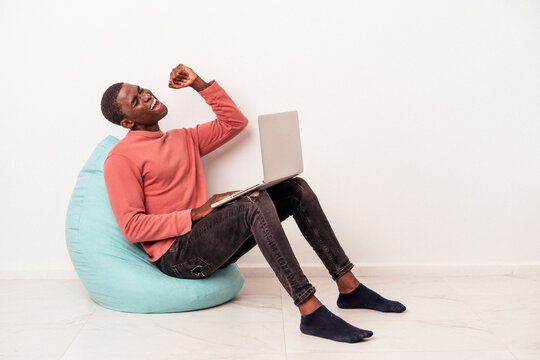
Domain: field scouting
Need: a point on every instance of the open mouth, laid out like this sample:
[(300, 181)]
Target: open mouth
[(156, 105)]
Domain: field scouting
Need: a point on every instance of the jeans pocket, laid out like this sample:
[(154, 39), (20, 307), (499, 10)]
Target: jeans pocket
[(193, 269)]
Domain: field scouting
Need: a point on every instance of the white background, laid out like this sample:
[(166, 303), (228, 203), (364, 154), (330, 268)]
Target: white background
[(419, 119)]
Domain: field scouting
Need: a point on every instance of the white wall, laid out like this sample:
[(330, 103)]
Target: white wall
[(419, 119)]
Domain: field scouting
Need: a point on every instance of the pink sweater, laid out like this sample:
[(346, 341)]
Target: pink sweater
[(154, 179)]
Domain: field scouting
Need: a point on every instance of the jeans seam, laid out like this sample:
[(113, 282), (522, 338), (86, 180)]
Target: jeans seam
[(282, 263), (279, 256), (348, 267), (304, 295)]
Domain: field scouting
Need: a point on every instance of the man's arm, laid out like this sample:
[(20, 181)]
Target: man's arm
[(199, 84), (229, 122), (125, 189)]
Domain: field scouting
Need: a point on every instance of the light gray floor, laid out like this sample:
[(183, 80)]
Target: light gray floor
[(480, 317)]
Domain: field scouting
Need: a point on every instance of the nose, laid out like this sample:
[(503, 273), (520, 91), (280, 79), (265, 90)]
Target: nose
[(146, 95)]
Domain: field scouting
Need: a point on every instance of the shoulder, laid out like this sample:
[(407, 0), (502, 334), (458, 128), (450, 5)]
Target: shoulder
[(181, 135), (121, 148), (121, 153), (175, 133)]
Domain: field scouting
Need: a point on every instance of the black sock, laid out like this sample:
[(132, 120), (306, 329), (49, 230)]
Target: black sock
[(323, 323), (364, 298)]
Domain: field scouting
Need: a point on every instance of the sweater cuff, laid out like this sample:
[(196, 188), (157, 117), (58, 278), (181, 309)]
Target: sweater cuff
[(184, 223)]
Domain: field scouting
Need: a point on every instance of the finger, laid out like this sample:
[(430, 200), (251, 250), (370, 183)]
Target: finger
[(171, 79), (174, 86), (177, 71), (179, 83), (180, 78), (180, 74)]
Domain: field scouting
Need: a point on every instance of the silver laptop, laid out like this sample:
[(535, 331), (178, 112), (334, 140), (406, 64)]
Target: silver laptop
[(281, 151)]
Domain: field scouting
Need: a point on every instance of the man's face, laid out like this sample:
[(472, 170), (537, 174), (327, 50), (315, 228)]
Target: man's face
[(139, 106)]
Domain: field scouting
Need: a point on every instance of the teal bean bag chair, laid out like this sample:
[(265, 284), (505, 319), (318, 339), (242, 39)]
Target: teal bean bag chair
[(117, 274)]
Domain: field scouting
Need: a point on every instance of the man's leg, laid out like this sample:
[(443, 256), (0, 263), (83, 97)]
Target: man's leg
[(295, 197), (215, 238)]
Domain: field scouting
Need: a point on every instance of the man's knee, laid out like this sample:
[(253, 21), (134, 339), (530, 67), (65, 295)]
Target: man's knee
[(262, 202), (262, 196), (254, 203), (303, 187), (300, 181)]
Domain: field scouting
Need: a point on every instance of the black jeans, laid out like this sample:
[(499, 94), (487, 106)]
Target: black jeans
[(230, 231)]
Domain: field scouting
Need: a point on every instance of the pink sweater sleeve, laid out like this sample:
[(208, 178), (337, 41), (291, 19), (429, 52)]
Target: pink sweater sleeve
[(125, 188), (229, 122)]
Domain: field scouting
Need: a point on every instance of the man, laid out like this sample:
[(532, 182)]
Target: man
[(157, 191)]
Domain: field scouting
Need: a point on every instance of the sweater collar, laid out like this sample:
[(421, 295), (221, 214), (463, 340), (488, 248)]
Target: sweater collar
[(145, 133)]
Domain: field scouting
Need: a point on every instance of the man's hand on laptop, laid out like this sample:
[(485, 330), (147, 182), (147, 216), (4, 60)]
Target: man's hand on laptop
[(205, 209)]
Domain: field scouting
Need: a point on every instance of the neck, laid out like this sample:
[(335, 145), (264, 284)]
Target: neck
[(154, 127)]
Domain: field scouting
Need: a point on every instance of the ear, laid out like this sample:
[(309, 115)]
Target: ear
[(126, 123)]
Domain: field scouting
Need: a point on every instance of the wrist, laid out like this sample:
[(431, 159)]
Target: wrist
[(194, 215), (199, 84)]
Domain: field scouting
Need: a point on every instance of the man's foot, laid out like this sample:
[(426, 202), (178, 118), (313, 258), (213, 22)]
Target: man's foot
[(325, 324), (364, 298)]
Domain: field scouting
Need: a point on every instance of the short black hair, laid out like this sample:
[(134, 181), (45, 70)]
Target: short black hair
[(109, 106)]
